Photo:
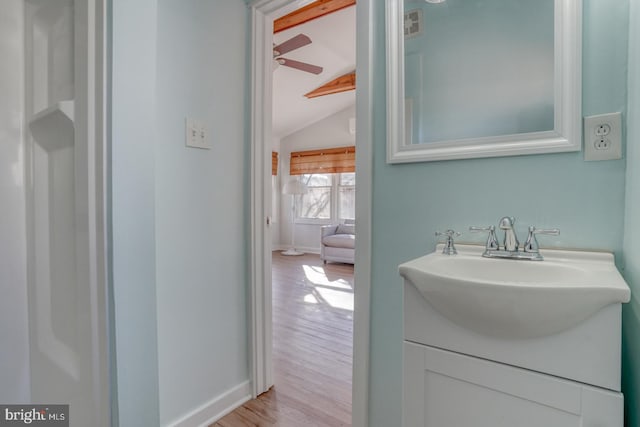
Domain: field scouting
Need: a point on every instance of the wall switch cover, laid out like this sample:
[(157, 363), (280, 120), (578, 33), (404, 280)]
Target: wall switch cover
[(196, 134), (352, 126), (603, 137), (413, 23)]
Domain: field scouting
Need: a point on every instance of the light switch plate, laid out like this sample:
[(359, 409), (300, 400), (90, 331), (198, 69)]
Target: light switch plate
[(196, 134), (413, 23), (603, 137), (352, 126)]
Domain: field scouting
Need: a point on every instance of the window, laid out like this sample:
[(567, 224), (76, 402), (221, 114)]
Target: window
[(316, 202), (347, 196), (329, 197)]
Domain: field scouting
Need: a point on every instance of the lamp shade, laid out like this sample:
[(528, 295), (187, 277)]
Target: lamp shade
[(294, 186)]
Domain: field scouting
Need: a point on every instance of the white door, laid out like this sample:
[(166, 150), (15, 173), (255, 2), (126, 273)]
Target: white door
[(446, 389), (65, 263)]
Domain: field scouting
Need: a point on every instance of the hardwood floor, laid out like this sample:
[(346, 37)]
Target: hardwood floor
[(312, 348)]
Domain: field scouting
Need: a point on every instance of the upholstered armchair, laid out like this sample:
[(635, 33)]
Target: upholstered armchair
[(338, 243)]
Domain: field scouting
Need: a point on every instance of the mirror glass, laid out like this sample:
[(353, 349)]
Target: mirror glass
[(480, 78)]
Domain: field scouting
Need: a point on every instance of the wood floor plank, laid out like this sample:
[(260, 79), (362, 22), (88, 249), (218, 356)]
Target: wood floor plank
[(312, 348)]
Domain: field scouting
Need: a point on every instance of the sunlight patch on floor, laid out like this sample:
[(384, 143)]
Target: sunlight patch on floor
[(310, 299), (336, 293), (317, 276), (335, 298)]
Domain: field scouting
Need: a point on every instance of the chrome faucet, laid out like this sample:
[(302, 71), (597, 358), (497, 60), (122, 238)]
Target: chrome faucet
[(510, 239), (492, 240), (449, 246), (531, 245), (530, 251)]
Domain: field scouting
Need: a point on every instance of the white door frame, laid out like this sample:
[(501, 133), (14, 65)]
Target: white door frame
[(262, 12), (95, 128), (97, 13)]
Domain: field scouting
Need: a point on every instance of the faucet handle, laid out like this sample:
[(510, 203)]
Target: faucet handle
[(531, 245), (492, 240), (449, 247)]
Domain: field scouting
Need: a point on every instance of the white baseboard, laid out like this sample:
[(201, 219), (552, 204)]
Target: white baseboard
[(300, 248), (216, 408)]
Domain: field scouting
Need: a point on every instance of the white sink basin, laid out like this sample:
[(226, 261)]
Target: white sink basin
[(517, 299)]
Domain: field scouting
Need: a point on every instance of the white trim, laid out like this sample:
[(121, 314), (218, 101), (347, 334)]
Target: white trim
[(98, 206), (566, 135), (216, 408), (305, 249), (364, 196), (260, 256), (261, 15), (312, 221), (394, 11)]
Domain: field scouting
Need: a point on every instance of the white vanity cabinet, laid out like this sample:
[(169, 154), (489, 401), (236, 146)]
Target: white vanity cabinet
[(447, 389), (479, 352)]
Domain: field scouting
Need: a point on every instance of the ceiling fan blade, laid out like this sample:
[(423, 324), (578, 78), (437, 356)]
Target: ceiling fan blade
[(302, 66), (291, 44)]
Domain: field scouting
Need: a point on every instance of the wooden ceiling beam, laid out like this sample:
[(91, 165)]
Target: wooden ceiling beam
[(341, 84), (309, 12)]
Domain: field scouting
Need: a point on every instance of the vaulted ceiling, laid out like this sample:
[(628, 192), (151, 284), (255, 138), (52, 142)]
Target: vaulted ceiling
[(333, 47)]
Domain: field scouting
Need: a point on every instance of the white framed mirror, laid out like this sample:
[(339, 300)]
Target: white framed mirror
[(482, 78)]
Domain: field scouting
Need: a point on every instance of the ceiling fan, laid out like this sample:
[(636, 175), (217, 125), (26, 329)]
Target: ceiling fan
[(293, 44)]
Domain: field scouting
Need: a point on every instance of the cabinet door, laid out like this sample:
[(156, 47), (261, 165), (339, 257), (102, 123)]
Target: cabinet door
[(446, 389)]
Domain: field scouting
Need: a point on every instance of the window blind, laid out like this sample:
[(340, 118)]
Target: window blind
[(274, 163), (330, 160)]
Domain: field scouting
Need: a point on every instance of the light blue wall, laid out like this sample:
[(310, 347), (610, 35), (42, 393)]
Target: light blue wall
[(133, 257), (200, 236), (584, 199), (178, 214), (631, 247)]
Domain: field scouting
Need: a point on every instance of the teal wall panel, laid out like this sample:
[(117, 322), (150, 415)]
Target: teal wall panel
[(412, 201)]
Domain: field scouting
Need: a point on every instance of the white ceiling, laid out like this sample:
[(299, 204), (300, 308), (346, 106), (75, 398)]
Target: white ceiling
[(333, 47)]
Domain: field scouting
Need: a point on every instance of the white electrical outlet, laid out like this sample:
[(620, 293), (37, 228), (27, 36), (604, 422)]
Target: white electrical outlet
[(196, 134), (603, 137)]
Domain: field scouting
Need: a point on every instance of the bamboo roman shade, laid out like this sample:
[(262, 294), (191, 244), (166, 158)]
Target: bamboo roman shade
[(274, 163), (330, 160)]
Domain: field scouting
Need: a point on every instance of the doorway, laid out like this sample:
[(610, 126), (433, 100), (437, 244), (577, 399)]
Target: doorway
[(312, 288), (261, 110)]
